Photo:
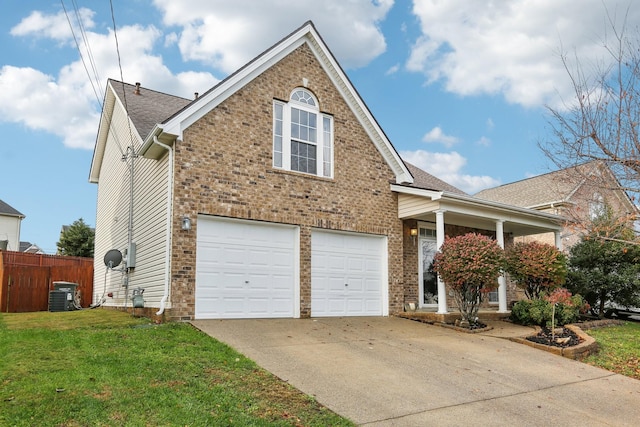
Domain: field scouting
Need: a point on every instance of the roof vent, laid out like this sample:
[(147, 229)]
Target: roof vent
[(196, 94), (137, 91)]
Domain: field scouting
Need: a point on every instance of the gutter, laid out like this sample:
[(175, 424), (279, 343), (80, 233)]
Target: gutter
[(167, 251)]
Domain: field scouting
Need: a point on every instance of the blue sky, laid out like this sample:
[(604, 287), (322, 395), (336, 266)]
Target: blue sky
[(459, 86)]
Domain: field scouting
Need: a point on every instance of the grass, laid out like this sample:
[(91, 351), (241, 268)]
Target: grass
[(107, 368), (619, 349)]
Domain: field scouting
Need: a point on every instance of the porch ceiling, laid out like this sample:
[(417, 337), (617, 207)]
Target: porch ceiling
[(471, 212)]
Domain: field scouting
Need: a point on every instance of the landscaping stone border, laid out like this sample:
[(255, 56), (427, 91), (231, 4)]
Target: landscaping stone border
[(424, 319), (587, 346)]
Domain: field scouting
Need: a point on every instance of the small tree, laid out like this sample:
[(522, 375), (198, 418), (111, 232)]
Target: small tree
[(536, 267), (77, 240), (470, 265)]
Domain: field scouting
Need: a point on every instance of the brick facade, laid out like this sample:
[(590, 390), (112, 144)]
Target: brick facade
[(224, 168)]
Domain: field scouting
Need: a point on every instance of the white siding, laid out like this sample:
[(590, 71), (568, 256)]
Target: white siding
[(149, 217), (10, 230), (410, 205)]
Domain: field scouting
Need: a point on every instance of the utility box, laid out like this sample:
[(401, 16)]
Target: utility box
[(62, 298)]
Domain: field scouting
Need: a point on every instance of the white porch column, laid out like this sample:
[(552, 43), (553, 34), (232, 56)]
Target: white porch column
[(502, 281), (558, 240), (442, 291)]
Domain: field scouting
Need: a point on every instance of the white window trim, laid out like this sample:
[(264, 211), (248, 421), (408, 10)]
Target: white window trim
[(320, 137)]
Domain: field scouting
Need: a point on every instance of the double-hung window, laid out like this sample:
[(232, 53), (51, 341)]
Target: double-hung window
[(302, 136)]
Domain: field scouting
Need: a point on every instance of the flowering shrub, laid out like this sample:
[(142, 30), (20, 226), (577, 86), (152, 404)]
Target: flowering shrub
[(470, 266), (536, 267)]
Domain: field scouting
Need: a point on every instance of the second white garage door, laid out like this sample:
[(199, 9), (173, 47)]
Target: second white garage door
[(246, 269), (348, 274)]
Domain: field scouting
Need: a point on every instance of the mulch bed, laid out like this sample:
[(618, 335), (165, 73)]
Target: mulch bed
[(562, 338)]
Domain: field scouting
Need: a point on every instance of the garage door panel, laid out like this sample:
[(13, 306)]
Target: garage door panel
[(351, 259), (245, 269)]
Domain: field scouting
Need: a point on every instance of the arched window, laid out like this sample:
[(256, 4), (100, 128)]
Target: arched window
[(302, 136), (596, 206)]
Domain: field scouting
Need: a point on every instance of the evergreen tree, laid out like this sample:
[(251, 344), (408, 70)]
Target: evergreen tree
[(605, 267), (77, 240)]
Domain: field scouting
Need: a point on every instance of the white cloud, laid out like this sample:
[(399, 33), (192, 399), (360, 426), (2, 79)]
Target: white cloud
[(66, 104), (34, 99), (55, 27), (437, 135), (509, 48), (449, 168), (227, 34), (218, 33), (490, 124), (484, 141), (392, 70)]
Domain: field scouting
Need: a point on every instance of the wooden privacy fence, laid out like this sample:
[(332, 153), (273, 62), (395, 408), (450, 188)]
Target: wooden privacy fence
[(26, 279)]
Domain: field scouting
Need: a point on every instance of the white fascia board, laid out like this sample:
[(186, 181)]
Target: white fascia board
[(103, 134), (493, 213), (431, 194), (498, 205), (553, 204)]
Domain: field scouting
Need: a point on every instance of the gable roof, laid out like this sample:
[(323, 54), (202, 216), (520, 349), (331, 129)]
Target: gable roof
[(173, 126), (31, 248), (551, 189), (147, 107), (6, 209), (424, 180)]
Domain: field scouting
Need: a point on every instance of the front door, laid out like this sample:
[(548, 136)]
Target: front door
[(428, 279)]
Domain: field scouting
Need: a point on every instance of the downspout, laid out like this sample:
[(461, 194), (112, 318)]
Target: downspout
[(167, 250)]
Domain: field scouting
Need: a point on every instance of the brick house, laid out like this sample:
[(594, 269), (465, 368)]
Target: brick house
[(578, 194), (273, 194)]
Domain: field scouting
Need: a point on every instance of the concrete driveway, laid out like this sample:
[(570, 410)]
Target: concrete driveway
[(397, 372)]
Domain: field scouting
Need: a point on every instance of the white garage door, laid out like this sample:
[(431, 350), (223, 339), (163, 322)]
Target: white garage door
[(245, 269), (348, 274)]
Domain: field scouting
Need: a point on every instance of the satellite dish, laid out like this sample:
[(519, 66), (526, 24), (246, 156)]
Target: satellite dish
[(113, 258)]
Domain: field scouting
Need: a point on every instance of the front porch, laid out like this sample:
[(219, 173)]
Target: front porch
[(429, 216)]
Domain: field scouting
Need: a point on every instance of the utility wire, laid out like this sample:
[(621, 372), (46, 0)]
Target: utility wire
[(87, 44), (75, 39)]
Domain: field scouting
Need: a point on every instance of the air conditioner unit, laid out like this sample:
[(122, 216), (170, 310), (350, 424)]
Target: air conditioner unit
[(61, 298)]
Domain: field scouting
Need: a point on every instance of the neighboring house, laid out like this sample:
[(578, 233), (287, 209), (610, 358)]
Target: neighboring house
[(30, 248), (10, 221), (578, 194), (274, 194)]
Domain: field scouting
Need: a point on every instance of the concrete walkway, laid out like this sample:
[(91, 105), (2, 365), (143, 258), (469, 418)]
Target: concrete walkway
[(397, 372)]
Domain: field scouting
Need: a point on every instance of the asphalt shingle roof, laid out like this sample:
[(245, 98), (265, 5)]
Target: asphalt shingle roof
[(149, 107), (424, 180), (5, 209), (552, 187)]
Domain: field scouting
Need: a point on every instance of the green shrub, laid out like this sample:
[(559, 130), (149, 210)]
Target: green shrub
[(540, 311), (531, 312)]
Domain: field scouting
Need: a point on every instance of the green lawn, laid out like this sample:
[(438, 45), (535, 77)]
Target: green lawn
[(619, 349), (107, 368)]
